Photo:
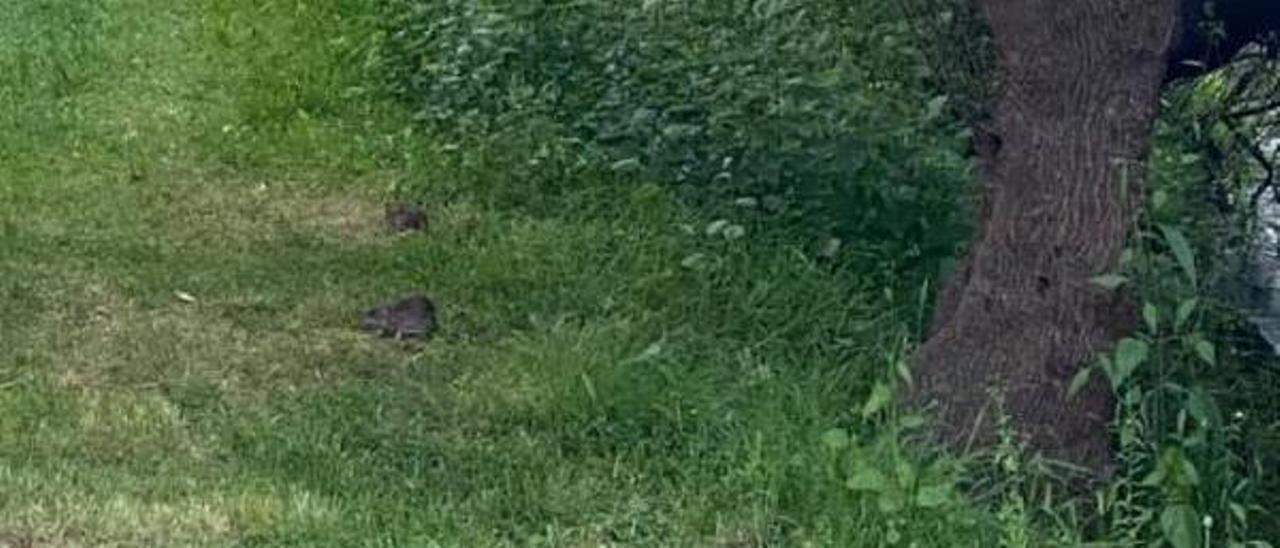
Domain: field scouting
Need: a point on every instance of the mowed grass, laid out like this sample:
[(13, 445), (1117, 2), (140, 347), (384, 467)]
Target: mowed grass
[(606, 374)]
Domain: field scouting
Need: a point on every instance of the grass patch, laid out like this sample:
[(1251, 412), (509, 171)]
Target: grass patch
[(608, 372)]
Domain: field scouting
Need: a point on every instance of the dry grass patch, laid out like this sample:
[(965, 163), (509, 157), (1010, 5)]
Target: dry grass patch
[(230, 214)]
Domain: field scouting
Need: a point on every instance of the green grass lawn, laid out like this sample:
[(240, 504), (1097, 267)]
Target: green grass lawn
[(606, 373)]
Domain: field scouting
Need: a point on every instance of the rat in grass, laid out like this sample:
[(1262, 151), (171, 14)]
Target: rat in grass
[(411, 317)]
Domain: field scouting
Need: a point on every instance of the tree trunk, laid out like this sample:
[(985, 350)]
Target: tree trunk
[(1062, 164)]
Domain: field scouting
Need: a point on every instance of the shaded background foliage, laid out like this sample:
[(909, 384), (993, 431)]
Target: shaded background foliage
[(807, 114), (824, 121)]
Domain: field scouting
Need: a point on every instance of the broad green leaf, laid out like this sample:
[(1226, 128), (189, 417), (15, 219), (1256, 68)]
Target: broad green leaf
[(911, 422), (890, 501), (935, 107), (906, 473), (904, 371), (1158, 199), (1126, 257), (1202, 407), (1078, 381), (836, 439), (1205, 350), (1188, 473), (1181, 251), (1130, 353), (1107, 365), (1181, 526), (1155, 478), (1110, 281), (933, 496), (1176, 468), (878, 400), (867, 479), (1238, 512), (1184, 312)]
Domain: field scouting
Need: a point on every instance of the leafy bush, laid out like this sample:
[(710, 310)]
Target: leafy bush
[(811, 114)]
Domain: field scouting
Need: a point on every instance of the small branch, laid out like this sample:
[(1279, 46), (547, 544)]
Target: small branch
[(1267, 165)]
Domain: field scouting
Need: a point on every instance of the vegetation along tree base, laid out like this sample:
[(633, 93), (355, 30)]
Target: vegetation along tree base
[(1062, 171), (1062, 162)]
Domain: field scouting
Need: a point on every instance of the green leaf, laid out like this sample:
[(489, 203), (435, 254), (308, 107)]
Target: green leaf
[(1158, 199), (1205, 350), (1201, 407), (1187, 472), (911, 422), (716, 226), (694, 262), (1078, 381), (1155, 478), (1110, 281), (906, 474), (878, 400), (935, 107), (629, 164), (933, 496), (1130, 353), (867, 479), (1238, 512), (904, 372), (835, 439), (890, 502), (1107, 365), (1184, 312), (1181, 251), (1151, 316), (590, 387), (1181, 526)]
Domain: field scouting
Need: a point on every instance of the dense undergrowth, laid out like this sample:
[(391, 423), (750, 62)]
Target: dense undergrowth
[(825, 120), (808, 116)]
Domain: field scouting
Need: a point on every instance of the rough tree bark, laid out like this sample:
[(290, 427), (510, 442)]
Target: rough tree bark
[(1062, 163)]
